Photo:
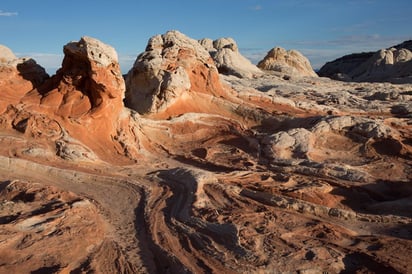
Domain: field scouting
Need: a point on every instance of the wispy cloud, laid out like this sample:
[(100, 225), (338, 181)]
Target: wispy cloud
[(8, 13), (256, 8)]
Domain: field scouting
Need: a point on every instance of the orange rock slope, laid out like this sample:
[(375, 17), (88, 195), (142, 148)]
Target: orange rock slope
[(199, 172)]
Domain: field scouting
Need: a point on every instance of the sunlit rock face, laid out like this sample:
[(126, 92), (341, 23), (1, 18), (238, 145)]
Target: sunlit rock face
[(290, 62), (228, 59), (172, 66), (88, 83), (17, 76)]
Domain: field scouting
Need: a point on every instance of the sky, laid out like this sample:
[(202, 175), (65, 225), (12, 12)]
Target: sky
[(322, 30)]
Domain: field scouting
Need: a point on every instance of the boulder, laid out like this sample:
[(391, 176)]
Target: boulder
[(290, 62), (172, 65), (228, 59)]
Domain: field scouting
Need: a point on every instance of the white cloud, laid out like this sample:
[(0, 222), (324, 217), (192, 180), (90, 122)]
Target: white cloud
[(8, 13)]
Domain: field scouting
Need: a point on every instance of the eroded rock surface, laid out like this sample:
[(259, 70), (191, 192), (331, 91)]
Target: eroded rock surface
[(290, 62), (228, 59), (88, 83), (386, 65), (213, 173), (18, 76), (172, 66)]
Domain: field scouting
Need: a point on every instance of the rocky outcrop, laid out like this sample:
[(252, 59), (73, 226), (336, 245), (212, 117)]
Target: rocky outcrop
[(83, 101), (172, 65), (386, 65), (88, 83), (228, 59), (17, 77), (290, 62), (340, 68)]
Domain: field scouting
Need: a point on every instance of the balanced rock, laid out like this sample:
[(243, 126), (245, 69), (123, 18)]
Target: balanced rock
[(172, 66), (17, 76), (89, 82), (290, 62), (228, 59)]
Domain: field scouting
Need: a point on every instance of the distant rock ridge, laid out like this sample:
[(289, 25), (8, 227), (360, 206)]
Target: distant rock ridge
[(290, 62), (228, 59), (386, 65)]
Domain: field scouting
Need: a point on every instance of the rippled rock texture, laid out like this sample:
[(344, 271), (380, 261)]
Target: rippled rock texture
[(200, 172)]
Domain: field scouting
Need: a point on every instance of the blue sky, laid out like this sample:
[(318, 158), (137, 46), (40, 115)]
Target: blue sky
[(321, 29)]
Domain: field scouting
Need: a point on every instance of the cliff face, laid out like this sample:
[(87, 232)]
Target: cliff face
[(386, 65)]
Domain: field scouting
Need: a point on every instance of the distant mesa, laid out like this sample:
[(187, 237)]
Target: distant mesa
[(386, 65), (290, 62), (228, 59)]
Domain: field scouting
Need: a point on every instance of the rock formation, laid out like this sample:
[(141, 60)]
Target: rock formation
[(88, 83), (290, 62), (17, 76), (228, 59), (87, 90), (212, 174), (172, 66), (386, 65)]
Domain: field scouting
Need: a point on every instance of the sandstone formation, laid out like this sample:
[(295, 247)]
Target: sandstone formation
[(386, 65), (172, 66), (228, 59), (18, 76), (290, 62), (87, 90), (207, 173), (88, 83)]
